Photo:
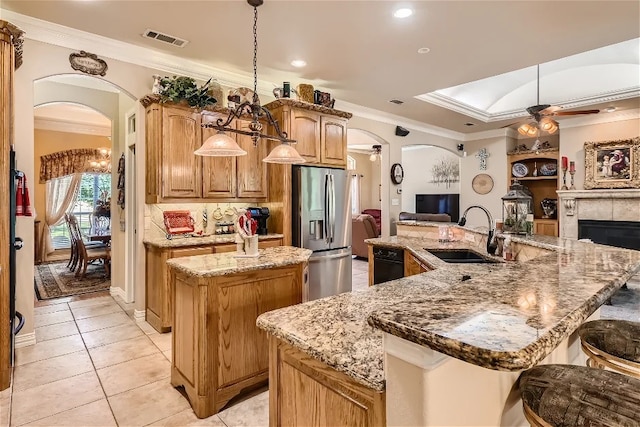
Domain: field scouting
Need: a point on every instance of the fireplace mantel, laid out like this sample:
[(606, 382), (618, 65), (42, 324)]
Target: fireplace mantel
[(606, 205)]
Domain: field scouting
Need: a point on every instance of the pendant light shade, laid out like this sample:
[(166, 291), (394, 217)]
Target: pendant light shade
[(220, 145), (284, 153)]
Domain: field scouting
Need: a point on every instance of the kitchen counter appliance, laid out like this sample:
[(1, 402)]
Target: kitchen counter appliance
[(260, 215)]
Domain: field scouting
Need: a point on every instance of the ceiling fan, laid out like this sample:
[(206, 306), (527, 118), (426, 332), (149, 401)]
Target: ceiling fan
[(543, 113)]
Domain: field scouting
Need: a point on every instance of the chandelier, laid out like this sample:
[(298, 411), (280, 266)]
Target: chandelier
[(101, 163), (221, 144), (375, 153)]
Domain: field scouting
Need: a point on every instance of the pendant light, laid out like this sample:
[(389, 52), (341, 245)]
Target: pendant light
[(222, 144)]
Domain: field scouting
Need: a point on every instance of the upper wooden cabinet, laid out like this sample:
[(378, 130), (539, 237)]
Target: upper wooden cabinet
[(175, 174), (320, 132)]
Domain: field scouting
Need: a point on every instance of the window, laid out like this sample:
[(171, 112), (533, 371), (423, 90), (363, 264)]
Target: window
[(93, 188)]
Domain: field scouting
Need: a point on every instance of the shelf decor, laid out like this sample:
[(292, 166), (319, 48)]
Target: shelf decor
[(516, 205), (612, 164)]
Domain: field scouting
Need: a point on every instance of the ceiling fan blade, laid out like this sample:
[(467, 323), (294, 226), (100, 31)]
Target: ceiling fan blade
[(550, 110), (536, 109), (575, 113)]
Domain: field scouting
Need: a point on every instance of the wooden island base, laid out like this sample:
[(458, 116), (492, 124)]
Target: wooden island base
[(306, 392), (218, 351)]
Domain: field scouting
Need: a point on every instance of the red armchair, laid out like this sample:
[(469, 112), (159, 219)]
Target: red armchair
[(377, 217)]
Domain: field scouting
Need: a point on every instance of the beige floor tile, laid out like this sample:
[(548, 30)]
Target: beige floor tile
[(111, 335), (5, 409), (134, 373), (253, 412), (122, 351), (47, 309), (187, 418), (52, 318), (146, 328), (43, 401), (100, 322), (167, 354), (147, 404), (91, 301), (47, 349), (94, 414), (95, 310), (50, 370), (163, 341), (59, 330)]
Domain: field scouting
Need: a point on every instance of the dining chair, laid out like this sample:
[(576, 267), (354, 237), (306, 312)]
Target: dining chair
[(88, 253)]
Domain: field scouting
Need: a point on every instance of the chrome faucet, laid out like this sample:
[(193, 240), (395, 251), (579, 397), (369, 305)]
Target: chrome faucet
[(491, 239)]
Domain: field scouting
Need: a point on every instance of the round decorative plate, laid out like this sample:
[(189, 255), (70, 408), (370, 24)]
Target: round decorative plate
[(519, 170), (482, 183)]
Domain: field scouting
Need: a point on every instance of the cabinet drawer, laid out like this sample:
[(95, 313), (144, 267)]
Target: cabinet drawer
[(192, 251)]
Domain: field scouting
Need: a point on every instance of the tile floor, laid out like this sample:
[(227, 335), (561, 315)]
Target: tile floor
[(359, 273), (94, 366)]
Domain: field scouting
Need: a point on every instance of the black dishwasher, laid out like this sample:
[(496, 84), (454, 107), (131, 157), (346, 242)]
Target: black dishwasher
[(388, 264)]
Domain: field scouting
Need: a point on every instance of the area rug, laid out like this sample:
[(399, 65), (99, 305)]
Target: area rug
[(55, 280)]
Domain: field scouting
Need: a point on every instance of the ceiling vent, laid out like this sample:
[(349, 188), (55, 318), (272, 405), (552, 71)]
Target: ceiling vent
[(165, 38), (396, 101)]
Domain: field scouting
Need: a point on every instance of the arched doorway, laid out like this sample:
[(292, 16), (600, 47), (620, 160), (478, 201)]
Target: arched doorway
[(73, 96)]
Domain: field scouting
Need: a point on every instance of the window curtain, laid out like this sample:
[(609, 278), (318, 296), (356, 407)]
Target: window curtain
[(61, 194), (63, 163), (356, 183)]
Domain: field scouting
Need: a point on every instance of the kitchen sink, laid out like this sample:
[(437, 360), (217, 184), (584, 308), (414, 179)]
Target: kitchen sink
[(460, 256)]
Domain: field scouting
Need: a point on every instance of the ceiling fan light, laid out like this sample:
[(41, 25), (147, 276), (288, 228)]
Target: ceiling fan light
[(219, 145), (524, 129), (284, 154), (373, 157)]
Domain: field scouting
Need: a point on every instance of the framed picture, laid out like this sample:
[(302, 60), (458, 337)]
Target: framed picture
[(612, 164)]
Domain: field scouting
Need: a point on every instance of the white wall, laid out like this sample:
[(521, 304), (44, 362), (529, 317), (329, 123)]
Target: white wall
[(572, 141), (417, 162)]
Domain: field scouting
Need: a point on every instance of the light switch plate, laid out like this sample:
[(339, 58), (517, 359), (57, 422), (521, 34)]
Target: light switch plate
[(395, 202)]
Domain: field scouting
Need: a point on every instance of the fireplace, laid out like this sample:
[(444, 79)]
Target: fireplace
[(623, 234), (605, 216)]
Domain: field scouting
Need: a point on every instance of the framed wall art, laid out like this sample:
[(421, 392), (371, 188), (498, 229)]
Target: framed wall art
[(612, 164)]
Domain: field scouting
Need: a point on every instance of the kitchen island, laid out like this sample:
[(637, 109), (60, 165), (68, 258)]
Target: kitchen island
[(446, 346), (217, 350)]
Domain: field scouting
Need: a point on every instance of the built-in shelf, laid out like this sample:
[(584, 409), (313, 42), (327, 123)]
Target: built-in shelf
[(534, 178)]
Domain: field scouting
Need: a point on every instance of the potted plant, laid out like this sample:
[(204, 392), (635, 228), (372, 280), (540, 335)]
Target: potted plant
[(184, 89)]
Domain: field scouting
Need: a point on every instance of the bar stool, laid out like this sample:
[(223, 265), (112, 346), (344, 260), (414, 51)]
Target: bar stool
[(614, 344), (576, 396)]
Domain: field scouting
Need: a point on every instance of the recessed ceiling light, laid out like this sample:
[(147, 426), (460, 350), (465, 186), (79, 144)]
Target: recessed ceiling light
[(424, 50), (298, 63), (610, 109), (403, 13)]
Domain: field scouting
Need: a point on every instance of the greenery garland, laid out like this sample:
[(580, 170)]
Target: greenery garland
[(179, 88)]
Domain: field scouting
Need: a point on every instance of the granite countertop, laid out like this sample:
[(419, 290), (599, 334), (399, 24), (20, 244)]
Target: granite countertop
[(230, 263), (214, 239), (506, 316)]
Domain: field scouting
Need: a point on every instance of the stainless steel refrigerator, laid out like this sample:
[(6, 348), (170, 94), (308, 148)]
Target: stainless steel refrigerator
[(322, 222)]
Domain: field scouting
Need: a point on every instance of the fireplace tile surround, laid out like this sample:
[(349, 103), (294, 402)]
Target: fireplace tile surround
[(607, 205)]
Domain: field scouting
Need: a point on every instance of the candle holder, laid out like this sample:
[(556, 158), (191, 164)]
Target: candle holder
[(564, 179), (573, 187)]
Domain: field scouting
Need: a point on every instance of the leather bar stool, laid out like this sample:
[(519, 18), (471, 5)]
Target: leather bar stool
[(614, 344), (577, 396)]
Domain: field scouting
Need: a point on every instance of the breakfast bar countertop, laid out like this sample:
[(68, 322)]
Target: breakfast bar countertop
[(231, 263), (504, 316), (213, 239)]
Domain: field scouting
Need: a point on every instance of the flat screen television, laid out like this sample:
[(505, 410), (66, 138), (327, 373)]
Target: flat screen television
[(439, 203)]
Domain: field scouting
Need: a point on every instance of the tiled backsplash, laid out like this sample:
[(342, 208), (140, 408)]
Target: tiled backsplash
[(154, 220)]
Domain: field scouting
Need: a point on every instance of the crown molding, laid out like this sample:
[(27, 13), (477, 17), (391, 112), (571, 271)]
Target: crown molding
[(70, 38), (70, 126), (392, 119), (462, 108)]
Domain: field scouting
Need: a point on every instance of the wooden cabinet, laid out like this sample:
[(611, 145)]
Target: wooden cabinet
[(320, 132), (175, 174), (306, 392), (541, 186), (413, 265), (10, 37), (218, 351), (159, 308)]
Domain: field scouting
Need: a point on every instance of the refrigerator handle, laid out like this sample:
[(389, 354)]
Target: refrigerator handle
[(326, 208), (332, 212)]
